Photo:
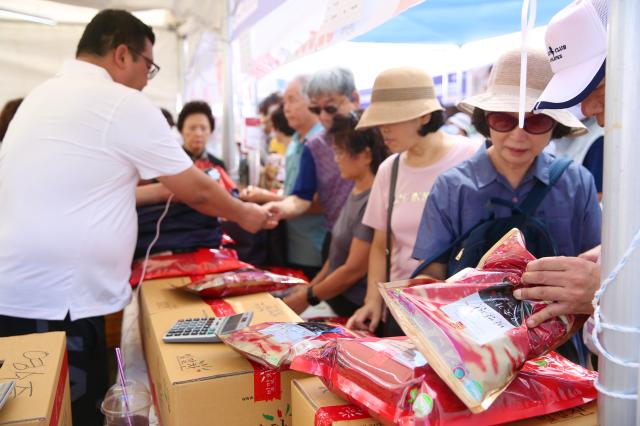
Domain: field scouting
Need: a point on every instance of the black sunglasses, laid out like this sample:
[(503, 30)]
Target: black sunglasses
[(152, 67), (536, 124), (329, 109)]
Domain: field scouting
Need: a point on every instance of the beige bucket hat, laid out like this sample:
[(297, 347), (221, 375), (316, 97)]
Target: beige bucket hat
[(503, 89), (400, 94)]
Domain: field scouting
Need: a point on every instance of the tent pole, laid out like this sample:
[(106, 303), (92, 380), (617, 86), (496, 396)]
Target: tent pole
[(621, 218), (228, 130), (183, 58)]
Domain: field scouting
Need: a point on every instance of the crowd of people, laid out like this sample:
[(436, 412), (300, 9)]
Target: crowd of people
[(353, 197)]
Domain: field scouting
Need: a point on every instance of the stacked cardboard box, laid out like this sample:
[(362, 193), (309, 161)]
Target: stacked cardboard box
[(314, 405), (210, 384), (585, 415), (38, 364)]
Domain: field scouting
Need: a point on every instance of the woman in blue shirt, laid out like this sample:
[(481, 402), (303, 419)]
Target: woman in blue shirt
[(509, 168)]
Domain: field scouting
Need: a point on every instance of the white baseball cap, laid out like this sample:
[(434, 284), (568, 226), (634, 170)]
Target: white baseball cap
[(576, 40)]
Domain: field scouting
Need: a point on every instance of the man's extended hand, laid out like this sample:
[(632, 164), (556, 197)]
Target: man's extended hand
[(568, 282), (254, 217)]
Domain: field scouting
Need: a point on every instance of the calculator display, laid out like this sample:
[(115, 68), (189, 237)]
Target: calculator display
[(231, 323)]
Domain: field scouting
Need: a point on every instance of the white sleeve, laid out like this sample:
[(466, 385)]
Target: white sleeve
[(140, 135)]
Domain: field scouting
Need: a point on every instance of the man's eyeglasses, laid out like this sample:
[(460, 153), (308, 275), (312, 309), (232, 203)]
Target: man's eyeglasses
[(152, 67), (536, 124), (329, 109)]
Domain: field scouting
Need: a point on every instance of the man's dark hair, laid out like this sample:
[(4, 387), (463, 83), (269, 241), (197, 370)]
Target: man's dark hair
[(168, 117), (266, 103), (111, 28), (479, 121), (345, 136), (8, 111), (436, 121), (196, 107), (280, 122)]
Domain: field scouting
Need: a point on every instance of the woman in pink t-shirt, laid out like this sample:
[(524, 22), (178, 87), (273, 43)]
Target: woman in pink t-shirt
[(405, 109)]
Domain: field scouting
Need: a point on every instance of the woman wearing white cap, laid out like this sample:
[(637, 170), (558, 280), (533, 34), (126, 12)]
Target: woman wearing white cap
[(405, 109)]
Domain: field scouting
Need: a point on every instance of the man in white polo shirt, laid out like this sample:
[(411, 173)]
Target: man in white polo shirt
[(69, 166)]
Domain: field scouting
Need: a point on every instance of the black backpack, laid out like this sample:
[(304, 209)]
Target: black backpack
[(467, 250)]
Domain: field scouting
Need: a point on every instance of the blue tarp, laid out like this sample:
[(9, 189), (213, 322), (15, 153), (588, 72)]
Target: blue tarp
[(458, 21)]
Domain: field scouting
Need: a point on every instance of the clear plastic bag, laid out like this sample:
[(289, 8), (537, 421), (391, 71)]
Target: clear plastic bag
[(239, 282), (200, 262), (392, 380), (472, 330), (274, 344)]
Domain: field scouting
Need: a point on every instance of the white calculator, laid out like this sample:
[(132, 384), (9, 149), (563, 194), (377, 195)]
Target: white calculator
[(206, 330)]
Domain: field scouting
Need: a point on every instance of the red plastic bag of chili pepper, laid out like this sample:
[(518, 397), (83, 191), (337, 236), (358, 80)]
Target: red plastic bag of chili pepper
[(200, 262), (238, 282), (472, 330), (274, 344), (392, 381)]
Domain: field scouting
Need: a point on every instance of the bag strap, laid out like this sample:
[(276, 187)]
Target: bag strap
[(531, 202), (450, 247), (527, 206), (392, 199)]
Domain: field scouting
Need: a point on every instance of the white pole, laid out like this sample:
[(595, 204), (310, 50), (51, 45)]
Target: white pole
[(621, 216), (228, 130), (183, 63)]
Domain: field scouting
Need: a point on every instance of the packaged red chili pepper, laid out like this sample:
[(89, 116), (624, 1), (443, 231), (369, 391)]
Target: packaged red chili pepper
[(472, 330), (274, 344), (392, 381), (238, 282), (200, 262)]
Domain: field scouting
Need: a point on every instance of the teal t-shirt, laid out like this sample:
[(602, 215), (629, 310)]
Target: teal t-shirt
[(306, 233)]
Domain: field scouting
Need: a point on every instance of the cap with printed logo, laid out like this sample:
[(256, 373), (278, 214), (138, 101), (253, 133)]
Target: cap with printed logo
[(576, 40)]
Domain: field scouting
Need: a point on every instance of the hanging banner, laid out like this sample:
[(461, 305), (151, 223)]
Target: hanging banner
[(294, 28)]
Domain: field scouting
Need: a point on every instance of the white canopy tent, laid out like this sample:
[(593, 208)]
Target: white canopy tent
[(193, 38), (193, 45)]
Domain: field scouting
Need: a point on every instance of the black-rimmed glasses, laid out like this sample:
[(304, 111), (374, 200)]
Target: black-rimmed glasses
[(152, 67)]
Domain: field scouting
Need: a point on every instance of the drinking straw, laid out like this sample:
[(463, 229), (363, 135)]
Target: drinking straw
[(123, 382)]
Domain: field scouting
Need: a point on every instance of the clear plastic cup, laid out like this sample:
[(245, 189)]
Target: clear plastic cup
[(114, 405)]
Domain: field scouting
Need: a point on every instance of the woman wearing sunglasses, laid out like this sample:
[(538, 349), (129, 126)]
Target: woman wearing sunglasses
[(509, 168)]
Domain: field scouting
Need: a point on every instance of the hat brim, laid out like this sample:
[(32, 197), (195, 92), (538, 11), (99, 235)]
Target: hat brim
[(508, 102), (379, 113), (572, 85)]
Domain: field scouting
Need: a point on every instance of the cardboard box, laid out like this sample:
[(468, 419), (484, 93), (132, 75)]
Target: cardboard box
[(210, 384), (38, 362), (314, 405), (585, 415)]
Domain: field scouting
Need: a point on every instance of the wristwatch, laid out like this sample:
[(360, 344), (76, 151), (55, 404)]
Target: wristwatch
[(311, 298)]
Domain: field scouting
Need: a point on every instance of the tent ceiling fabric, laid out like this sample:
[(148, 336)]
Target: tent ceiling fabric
[(188, 16), (40, 50), (458, 21)]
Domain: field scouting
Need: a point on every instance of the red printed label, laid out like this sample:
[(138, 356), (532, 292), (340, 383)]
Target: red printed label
[(325, 416), (266, 383), (219, 307), (62, 382)]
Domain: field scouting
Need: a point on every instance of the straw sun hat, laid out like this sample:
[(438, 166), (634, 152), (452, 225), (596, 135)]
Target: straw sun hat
[(503, 89), (400, 94)]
